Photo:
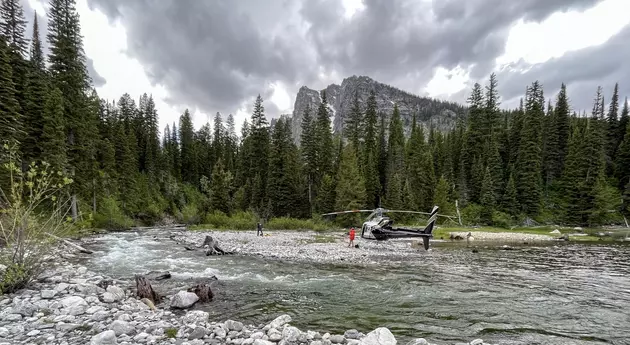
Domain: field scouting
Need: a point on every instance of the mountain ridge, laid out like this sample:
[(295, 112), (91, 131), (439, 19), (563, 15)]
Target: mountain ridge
[(430, 112)]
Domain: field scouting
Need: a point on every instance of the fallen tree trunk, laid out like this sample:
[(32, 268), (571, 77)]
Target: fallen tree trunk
[(156, 275), (202, 291), (81, 249), (212, 247), (144, 289)]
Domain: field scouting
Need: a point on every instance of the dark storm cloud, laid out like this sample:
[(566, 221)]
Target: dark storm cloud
[(97, 79), (217, 54), (212, 54), (581, 70)]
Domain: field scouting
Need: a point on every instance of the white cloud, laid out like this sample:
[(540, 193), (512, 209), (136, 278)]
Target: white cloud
[(563, 32)]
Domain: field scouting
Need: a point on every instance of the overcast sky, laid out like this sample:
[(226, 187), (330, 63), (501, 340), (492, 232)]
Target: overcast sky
[(216, 56)]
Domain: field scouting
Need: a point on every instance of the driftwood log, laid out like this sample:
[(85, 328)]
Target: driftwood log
[(157, 275), (144, 289), (202, 291), (76, 246), (213, 247)]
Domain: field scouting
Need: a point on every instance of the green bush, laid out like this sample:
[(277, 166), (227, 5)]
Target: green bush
[(238, 221), (190, 215), (501, 220), (14, 277), (110, 216), (471, 214)]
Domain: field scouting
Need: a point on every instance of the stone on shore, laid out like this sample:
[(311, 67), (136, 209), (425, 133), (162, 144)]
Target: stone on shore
[(74, 305), (379, 336), (280, 321), (183, 300), (104, 338)]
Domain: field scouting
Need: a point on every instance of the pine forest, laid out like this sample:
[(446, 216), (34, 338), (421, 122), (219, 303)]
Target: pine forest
[(539, 163)]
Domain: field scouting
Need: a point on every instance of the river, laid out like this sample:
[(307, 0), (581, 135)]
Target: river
[(546, 294)]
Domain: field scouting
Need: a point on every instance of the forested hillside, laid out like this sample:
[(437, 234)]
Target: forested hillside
[(541, 161)]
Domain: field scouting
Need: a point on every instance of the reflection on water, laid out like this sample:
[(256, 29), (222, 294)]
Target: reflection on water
[(554, 294)]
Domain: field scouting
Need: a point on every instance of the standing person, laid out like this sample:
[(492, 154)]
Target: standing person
[(259, 231), (351, 237)]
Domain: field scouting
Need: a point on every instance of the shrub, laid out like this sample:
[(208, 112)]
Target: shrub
[(110, 216), (31, 216)]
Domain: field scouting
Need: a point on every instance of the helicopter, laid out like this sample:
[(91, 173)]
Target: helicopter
[(379, 227)]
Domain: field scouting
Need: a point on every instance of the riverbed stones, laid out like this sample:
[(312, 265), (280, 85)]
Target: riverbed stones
[(418, 341), (104, 338), (195, 316), (280, 321), (121, 327), (197, 333), (262, 342), (113, 294), (351, 334), (74, 305), (477, 342), (234, 325), (379, 336), (337, 339), (183, 300), (48, 294)]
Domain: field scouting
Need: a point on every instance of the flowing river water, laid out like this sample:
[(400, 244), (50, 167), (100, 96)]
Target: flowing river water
[(545, 294)]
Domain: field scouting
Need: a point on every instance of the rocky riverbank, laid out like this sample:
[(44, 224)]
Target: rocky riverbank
[(69, 305), (332, 248)]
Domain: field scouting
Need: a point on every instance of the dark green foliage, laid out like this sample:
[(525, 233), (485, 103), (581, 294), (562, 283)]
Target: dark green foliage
[(499, 165), (350, 191), (220, 189), (52, 143), (283, 186), (529, 160), (10, 118), (354, 124)]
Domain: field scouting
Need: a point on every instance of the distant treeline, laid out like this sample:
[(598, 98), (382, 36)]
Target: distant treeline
[(539, 161)]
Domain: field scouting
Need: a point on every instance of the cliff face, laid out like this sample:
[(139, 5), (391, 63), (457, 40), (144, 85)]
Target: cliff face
[(429, 112)]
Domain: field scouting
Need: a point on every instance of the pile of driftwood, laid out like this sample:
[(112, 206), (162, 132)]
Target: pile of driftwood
[(145, 290), (210, 246)]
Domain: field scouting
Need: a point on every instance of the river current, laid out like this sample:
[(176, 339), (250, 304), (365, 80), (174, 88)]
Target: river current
[(549, 294)]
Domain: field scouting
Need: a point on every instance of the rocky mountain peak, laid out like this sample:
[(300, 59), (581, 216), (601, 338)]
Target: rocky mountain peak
[(429, 112)]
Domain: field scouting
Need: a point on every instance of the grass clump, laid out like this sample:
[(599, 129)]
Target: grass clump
[(170, 333), (110, 217)]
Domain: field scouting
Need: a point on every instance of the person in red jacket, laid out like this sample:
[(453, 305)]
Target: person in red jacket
[(351, 237)]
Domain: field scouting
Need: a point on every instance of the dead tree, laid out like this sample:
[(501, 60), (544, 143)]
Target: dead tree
[(202, 291), (213, 247), (144, 289)]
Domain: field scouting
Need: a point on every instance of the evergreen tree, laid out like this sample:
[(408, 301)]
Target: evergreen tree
[(258, 153), (13, 26), (561, 122), (219, 188), (353, 126), (53, 140), (612, 129), (189, 165), (623, 123), (326, 195), (10, 117), (282, 188), (323, 140), (370, 153), (622, 171), (350, 191), (309, 152), (509, 202), (487, 198), (35, 99), (441, 197), (395, 156), (529, 161)]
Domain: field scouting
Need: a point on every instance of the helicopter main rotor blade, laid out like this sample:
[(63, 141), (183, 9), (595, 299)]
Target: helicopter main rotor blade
[(418, 212), (342, 212)]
